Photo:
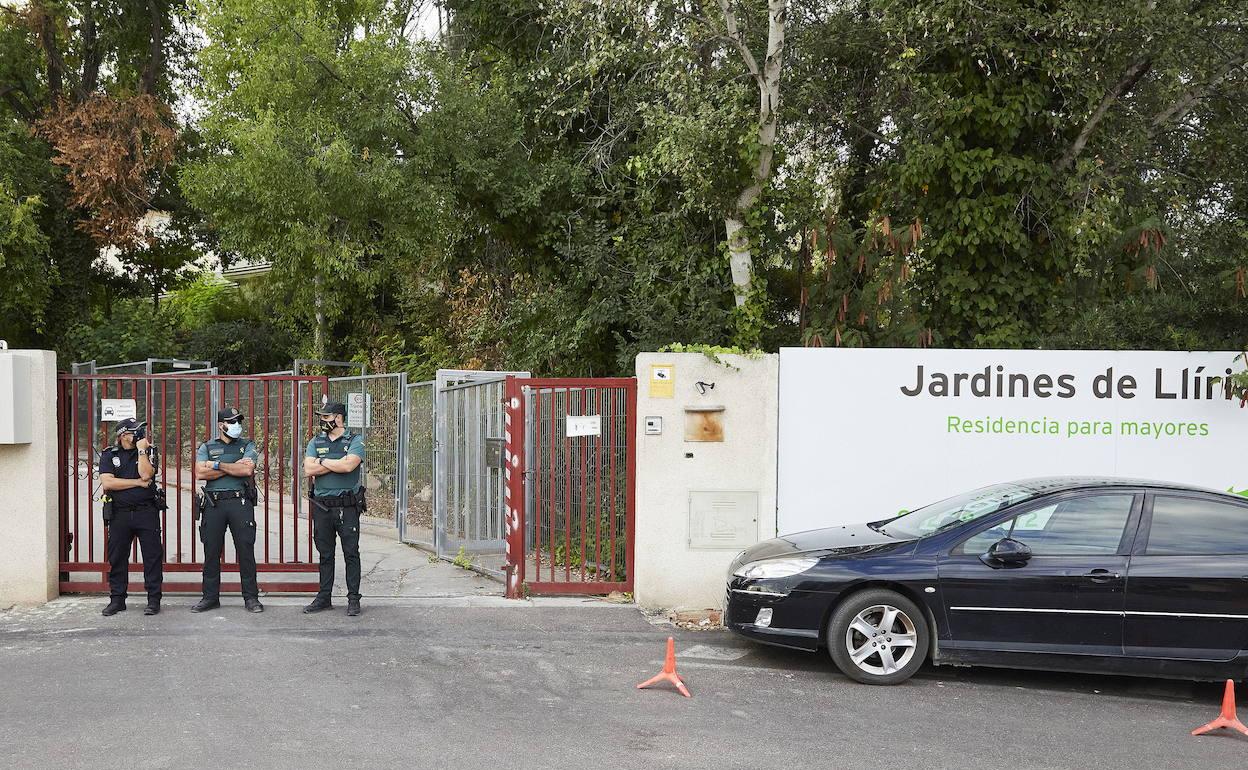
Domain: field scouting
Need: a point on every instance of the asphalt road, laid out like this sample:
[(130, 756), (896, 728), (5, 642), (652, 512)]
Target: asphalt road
[(474, 683)]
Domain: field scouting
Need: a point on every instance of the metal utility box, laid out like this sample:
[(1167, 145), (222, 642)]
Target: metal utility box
[(723, 519), (494, 453), (15, 399)]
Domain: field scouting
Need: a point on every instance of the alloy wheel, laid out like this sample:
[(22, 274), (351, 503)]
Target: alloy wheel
[(881, 639)]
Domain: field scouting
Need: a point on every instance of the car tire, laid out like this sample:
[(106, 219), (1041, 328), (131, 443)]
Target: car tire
[(878, 636)]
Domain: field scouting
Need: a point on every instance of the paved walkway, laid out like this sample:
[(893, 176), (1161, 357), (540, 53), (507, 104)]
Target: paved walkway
[(394, 569)]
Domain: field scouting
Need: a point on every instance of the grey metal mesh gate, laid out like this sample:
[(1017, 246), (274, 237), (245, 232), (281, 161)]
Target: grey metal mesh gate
[(375, 409), (417, 525), (469, 495)]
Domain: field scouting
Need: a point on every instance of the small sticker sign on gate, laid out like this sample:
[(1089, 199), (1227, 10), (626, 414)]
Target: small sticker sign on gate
[(359, 410), (117, 409), (585, 425)]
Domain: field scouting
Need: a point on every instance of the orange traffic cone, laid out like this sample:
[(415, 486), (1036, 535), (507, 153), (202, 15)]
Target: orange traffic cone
[(669, 671), (1227, 718)]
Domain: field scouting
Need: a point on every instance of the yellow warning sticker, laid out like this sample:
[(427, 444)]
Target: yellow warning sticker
[(662, 381)]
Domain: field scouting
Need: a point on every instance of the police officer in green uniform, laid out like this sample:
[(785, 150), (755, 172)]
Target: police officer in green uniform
[(333, 463), (227, 463), (127, 473)]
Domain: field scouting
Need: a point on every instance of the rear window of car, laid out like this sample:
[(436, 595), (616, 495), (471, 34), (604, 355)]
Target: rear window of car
[(1191, 526)]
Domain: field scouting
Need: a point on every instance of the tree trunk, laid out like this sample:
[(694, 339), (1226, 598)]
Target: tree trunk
[(740, 258), (90, 53), (740, 254), (47, 41), (318, 332), (851, 208), (155, 57)]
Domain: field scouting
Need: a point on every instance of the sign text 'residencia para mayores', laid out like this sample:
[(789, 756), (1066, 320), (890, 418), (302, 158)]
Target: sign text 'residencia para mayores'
[(995, 382)]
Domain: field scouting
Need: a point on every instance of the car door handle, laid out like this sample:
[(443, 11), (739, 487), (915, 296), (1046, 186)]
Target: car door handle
[(1103, 576)]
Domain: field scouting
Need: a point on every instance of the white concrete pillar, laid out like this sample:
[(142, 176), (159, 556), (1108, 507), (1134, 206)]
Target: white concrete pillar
[(28, 489), (674, 566)]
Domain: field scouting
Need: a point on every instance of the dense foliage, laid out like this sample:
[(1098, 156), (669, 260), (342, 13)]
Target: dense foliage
[(554, 185)]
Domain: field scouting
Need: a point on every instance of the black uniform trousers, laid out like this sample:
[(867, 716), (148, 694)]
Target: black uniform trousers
[(239, 516), (142, 522), (328, 522)]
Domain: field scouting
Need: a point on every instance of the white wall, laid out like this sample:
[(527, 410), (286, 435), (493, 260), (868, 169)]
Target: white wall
[(28, 479), (668, 572), (855, 447)]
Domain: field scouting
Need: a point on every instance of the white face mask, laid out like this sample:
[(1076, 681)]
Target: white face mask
[(233, 429)]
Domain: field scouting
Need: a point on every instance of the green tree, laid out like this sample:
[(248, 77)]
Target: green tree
[(311, 164), (86, 130), (1058, 157)]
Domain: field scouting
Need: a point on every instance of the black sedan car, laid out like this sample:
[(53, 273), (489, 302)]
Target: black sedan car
[(1075, 574)]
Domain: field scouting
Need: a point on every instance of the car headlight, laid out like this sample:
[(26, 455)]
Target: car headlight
[(775, 568)]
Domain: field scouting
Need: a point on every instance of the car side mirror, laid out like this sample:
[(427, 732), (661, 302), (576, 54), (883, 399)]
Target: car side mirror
[(1007, 552)]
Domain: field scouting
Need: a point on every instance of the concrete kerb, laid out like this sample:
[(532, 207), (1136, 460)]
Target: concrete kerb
[(296, 600)]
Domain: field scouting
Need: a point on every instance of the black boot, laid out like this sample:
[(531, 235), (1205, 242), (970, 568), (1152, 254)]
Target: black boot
[(318, 604), (253, 605), (115, 605), (153, 606), (353, 607), (206, 604)]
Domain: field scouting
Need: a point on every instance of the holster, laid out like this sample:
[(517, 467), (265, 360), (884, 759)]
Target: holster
[(108, 510), (315, 502), (200, 502)]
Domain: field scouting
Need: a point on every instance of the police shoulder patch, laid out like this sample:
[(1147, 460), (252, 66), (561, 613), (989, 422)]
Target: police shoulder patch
[(116, 461)]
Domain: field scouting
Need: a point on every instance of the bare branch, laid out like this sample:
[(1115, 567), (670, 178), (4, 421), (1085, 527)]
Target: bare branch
[(873, 134), (9, 94), (1193, 96), (1134, 72), (734, 36), (328, 70)]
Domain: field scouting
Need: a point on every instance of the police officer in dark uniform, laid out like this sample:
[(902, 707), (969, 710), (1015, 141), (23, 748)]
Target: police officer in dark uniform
[(227, 463), (127, 473), (333, 463)]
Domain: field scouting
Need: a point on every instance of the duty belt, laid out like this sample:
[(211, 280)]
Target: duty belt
[(127, 507), (344, 500), (226, 494)]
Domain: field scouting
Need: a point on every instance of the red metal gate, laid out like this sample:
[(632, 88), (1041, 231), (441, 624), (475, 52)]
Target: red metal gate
[(180, 411), (570, 484)]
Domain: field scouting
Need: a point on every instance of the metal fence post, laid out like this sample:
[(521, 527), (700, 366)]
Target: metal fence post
[(400, 484), (513, 474)]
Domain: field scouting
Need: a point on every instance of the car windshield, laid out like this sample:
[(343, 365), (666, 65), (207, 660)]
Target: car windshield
[(954, 511)]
